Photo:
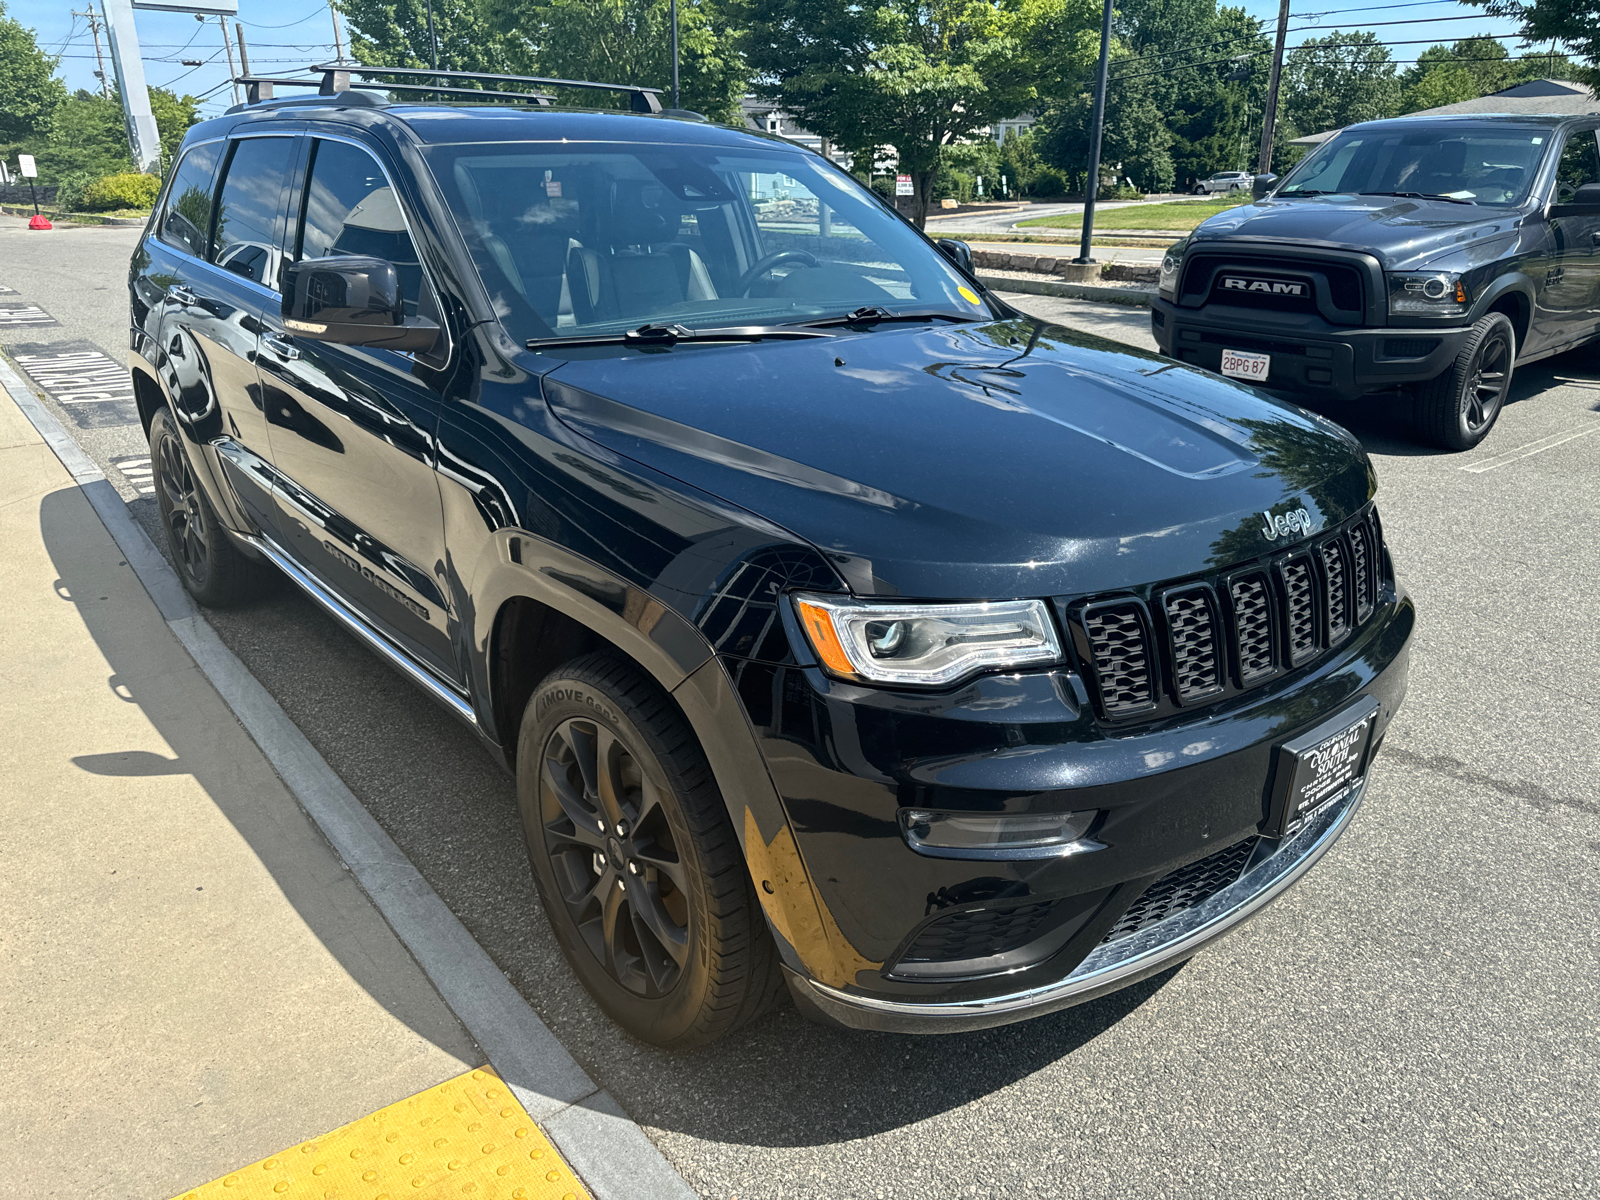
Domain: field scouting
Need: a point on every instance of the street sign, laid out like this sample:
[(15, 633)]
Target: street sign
[(26, 166), (218, 8), (902, 186)]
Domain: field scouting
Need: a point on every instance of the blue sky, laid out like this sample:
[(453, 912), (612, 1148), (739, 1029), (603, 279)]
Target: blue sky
[(283, 34)]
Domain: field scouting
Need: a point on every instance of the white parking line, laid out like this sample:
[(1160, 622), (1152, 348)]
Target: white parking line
[(1529, 449), (28, 314), (136, 469)]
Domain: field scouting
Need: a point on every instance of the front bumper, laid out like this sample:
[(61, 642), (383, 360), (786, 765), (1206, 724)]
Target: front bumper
[(1310, 356), (1274, 867)]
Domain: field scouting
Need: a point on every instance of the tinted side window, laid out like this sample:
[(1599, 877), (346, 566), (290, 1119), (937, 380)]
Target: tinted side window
[(1580, 164), (250, 208), (187, 215), (351, 209)]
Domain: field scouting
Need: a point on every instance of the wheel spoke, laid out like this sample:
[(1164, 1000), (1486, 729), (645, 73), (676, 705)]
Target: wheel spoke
[(194, 547), (580, 736), (645, 900), (667, 863), (583, 818), (608, 767)]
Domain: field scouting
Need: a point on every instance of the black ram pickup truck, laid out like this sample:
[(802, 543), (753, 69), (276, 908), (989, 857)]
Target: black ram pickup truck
[(1423, 257)]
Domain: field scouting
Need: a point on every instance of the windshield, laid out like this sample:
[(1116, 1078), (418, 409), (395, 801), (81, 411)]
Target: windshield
[(577, 240), (1485, 164)]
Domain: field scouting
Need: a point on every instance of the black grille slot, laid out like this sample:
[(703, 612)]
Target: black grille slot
[(979, 933), (1229, 341), (1409, 347), (1299, 587), (1336, 595), (1202, 274), (1362, 579), (1184, 888), (1252, 627), (1121, 658), (1196, 661)]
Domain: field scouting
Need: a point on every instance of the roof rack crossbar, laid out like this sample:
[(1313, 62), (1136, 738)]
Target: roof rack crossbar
[(640, 99)]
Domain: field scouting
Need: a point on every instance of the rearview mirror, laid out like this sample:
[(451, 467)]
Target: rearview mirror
[(1262, 184), (956, 251), (353, 300)]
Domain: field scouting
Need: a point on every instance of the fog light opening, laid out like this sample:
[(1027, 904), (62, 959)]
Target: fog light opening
[(982, 835)]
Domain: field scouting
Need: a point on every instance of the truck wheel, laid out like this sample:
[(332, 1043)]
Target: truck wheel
[(1457, 408), (636, 862), (212, 568)]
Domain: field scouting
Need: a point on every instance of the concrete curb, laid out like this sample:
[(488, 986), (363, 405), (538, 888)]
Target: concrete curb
[(605, 1146), (1139, 297)]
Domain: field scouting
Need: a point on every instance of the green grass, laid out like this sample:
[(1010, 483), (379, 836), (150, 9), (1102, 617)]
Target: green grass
[(1177, 215)]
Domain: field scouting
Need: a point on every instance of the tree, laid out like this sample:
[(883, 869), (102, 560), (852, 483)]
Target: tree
[(1337, 80), (394, 33), (1136, 144), (1574, 24), (29, 89), (626, 41), (917, 75), (87, 137), (1473, 67)]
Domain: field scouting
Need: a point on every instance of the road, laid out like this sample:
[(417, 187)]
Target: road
[(1418, 1017)]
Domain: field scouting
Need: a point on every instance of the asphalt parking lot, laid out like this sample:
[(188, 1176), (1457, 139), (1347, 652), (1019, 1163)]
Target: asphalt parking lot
[(1418, 1017)]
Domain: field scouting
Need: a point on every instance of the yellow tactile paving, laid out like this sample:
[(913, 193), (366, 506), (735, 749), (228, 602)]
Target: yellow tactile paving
[(468, 1137)]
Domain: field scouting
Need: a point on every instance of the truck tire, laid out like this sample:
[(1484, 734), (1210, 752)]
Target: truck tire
[(1457, 408), (641, 875), (214, 571)]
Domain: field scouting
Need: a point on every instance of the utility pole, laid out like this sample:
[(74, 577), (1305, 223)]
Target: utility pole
[(433, 39), (143, 137), (675, 103), (337, 44), (99, 58), (1264, 164), (244, 60), (227, 44), (1097, 127)]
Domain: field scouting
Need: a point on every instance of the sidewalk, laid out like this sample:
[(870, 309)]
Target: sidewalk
[(190, 978)]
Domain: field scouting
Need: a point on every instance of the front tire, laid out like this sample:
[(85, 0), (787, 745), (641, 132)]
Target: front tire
[(212, 568), (636, 862), (1457, 408)]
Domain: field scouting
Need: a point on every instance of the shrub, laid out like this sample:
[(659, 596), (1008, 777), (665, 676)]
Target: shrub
[(129, 190), (1047, 181), (1119, 192)]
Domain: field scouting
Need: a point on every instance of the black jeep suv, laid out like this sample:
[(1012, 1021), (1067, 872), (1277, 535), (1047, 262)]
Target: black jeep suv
[(1430, 252), (841, 625)]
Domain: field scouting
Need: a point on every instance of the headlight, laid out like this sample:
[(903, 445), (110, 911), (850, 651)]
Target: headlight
[(925, 644), (1428, 294), (1171, 264)]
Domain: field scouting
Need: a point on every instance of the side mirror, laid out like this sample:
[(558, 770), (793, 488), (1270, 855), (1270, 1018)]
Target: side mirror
[(1587, 194), (1262, 184), (957, 252), (353, 300)]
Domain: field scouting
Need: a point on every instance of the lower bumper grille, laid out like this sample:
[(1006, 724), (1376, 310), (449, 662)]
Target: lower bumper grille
[(980, 933), (1184, 888)]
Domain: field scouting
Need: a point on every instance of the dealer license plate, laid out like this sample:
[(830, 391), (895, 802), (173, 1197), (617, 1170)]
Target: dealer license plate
[(1241, 364), (1318, 768)]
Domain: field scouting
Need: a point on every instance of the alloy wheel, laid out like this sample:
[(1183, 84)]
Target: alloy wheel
[(182, 510), (614, 856), (1487, 385)]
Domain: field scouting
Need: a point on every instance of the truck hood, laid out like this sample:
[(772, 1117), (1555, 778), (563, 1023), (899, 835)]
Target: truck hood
[(1012, 458), (1400, 234)]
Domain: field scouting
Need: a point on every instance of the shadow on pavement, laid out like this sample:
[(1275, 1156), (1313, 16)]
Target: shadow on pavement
[(311, 879)]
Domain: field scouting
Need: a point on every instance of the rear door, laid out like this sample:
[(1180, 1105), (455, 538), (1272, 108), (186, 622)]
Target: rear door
[(219, 282), (352, 428)]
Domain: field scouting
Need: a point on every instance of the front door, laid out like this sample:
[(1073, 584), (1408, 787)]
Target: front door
[(352, 428), (1569, 301)]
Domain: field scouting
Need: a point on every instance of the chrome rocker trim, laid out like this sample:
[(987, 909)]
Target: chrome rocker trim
[(352, 621), (1108, 967)]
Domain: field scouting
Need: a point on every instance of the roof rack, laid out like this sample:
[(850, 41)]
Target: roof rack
[(335, 79)]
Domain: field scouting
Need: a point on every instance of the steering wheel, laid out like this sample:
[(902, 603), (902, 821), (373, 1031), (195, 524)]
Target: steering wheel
[(762, 266)]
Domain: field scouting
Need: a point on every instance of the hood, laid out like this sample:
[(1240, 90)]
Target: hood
[(1400, 234), (997, 460)]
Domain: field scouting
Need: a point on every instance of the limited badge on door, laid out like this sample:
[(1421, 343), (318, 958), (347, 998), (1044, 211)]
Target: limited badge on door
[(1241, 364)]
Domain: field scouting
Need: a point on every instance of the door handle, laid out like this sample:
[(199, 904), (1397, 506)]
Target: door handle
[(281, 346), (181, 294)]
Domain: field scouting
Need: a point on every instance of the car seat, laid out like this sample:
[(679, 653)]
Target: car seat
[(642, 269)]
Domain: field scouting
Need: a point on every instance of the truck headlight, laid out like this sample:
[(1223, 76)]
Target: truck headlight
[(925, 645), (1428, 294)]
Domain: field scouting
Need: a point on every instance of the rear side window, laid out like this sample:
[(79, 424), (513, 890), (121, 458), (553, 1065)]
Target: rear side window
[(250, 209), (351, 209), (185, 219), (1580, 165)]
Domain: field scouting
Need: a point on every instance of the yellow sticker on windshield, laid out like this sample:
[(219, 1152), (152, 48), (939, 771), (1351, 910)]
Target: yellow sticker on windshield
[(967, 294)]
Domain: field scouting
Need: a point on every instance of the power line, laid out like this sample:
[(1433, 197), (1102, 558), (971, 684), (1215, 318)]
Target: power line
[(316, 12)]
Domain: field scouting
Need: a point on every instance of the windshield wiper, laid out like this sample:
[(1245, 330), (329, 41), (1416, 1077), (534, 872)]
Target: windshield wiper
[(1305, 192), (671, 335), (872, 314), (1420, 196)]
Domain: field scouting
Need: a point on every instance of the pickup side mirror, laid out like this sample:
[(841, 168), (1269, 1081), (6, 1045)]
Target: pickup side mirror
[(1588, 195), (956, 251), (353, 300), (1262, 184)]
